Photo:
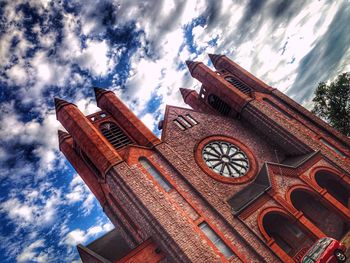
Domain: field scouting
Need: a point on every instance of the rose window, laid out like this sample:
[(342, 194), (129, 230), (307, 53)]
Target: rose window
[(225, 159)]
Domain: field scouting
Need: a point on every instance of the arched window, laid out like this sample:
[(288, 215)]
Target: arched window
[(287, 234), (334, 186), (218, 104), (114, 135), (327, 220), (155, 174), (239, 84)]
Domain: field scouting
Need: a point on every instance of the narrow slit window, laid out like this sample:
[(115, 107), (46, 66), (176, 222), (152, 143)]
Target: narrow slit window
[(115, 135), (178, 124), (217, 241), (89, 163), (155, 174), (184, 121), (332, 147), (194, 122)]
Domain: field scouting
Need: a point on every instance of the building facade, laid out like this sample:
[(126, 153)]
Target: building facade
[(246, 175)]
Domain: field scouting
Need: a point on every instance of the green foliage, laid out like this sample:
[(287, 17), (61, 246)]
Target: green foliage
[(332, 103)]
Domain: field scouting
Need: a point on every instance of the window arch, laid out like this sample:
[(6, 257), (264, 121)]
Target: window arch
[(315, 211), (114, 135), (287, 234), (334, 186), (157, 176)]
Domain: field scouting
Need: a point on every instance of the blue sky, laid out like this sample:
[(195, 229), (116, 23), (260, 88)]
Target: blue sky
[(138, 50)]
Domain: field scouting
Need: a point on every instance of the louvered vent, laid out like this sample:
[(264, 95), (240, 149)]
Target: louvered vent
[(114, 135), (239, 85), (219, 104)]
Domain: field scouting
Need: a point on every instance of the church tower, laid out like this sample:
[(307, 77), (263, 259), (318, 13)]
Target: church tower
[(246, 175)]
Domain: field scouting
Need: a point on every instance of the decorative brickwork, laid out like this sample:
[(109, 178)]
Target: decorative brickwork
[(288, 187)]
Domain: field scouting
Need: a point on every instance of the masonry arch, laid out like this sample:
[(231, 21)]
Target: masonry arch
[(334, 185), (282, 230), (323, 217)]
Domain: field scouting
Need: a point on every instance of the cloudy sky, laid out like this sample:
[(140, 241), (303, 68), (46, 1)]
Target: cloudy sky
[(137, 49)]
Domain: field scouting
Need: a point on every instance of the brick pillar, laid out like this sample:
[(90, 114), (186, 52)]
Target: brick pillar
[(215, 84), (89, 139), (279, 251), (90, 179), (221, 62), (336, 206), (125, 118)]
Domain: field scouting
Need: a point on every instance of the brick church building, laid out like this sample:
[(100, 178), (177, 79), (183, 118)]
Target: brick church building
[(245, 175)]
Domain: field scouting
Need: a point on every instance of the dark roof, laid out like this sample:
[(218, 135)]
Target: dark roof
[(262, 183), (247, 195), (298, 160), (110, 246)]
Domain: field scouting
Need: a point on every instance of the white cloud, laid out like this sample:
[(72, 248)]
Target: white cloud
[(33, 211), (79, 236), (149, 121), (95, 58), (30, 254), (80, 193), (17, 210), (87, 106), (75, 237)]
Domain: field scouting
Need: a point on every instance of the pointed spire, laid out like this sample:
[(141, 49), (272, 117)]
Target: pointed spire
[(191, 65), (62, 135), (214, 58), (185, 92), (59, 103), (99, 92)]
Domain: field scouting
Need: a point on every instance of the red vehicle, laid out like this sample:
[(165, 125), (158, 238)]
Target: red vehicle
[(325, 250)]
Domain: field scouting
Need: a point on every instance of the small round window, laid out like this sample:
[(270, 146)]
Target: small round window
[(226, 159)]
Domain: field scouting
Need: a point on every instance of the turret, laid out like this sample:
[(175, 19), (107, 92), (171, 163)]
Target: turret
[(218, 93), (82, 168), (90, 141), (222, 63), (125, 118), (192, 99)]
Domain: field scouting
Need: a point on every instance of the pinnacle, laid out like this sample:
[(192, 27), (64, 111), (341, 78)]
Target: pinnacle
[(214, 58), (99, 92), (185, 92), (59, 103), (62, 135), (191, 65)]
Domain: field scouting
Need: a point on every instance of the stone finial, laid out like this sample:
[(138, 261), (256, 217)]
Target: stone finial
[(99, 92), (191, 65), (214, 58), (59, 103), (62, 135), (185, 92)]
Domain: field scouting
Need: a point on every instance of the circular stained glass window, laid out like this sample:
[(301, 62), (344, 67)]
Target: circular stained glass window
[(225, 159)]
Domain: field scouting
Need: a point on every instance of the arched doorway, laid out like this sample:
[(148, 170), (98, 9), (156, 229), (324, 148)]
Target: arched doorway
[(334, 186), (292, 239), (327, 220)]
